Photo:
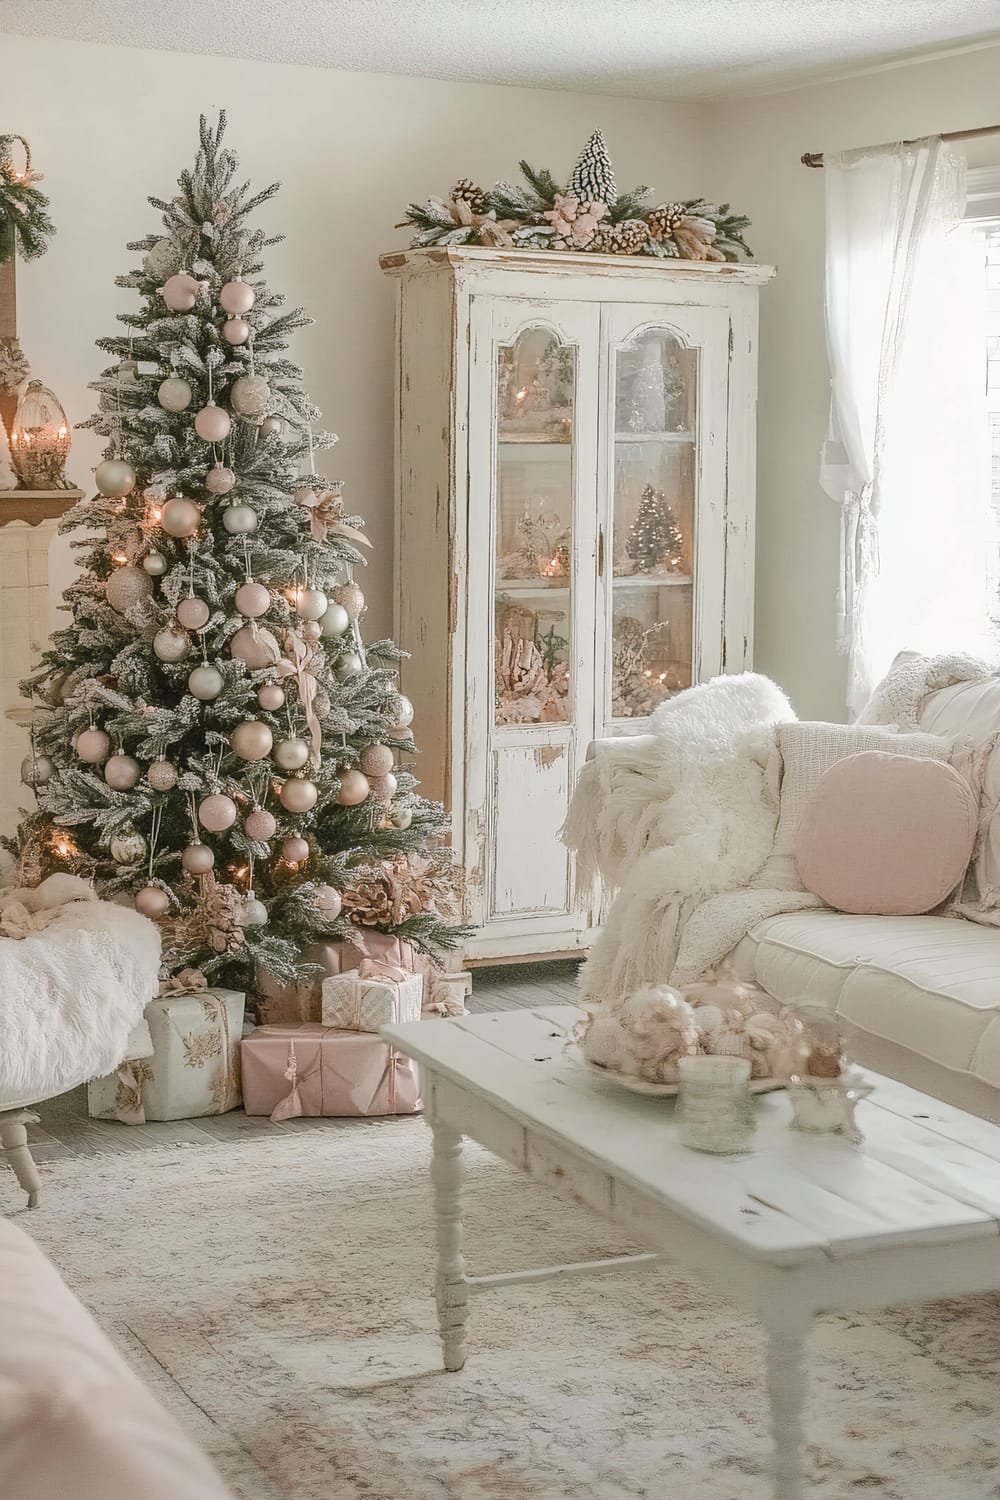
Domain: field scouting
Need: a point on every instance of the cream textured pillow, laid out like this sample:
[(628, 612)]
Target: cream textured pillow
[(886, 835), (809, 749)]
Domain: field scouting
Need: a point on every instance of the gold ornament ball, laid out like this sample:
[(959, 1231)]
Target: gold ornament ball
[(298, 795), (127, 586), (291, 754), (171, 644), (261, 824), (197, 859), (354, 787), (205, 683), (122, 772), (271, 696), (376, 760), (180, 517), (151, 901), (295, 850), (162, 776), (334, 622), (155, 564), (193, 613), (115, 478), (251, 740), (93, 745)]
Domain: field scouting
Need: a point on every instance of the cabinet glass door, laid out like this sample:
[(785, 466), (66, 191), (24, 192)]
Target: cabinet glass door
[(666, 481)]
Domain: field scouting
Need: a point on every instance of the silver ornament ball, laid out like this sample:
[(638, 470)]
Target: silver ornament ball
[(171, 644), (291, 754), (401, 817), (155, 564), (174, 394), (334, 622), (114, 478), (205, 683), (271, 427), (310, 604), (328, 902), (128, 848), (250, 395), (238, 520), (254, 912), (36, 770)]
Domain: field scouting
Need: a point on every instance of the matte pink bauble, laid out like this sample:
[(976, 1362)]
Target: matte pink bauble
[(217, 812), (122, 772), (383, 787), (252, 740), (151, 901), (180, 292), (197, 859), (271, 697), (353, 789), (328, 902), (193, 613), (236, 331), (93, 745), (219, 480), (245, 646), (295, 850), (212, 424), (253, 600), (376, 760), (236, 296), (261, 824), (180, 517), (298, 796)]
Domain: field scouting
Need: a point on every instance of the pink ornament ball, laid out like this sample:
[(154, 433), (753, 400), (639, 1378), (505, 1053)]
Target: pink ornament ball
[(261, 824), (328, 902), (295, 850), (93, 745), (212, 424), (217, 812), (236, 331), (354, 787), (180, 517), (298, 795), (383, 787), (237, 296), (122, 772), (180, 292), (271, 697), (219, 480), (197, 859), (253, 600), (193, 613), (151, 901), (247, 647), (376, 760)]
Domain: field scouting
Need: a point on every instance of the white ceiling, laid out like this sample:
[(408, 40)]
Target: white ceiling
[(658, 49)]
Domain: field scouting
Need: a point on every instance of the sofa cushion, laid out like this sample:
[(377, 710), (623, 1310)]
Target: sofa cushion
[(886, 834), (928, 985), (972, 709)]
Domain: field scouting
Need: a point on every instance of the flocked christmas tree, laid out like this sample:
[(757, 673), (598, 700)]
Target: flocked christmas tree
[(654, 538), (219, 745)]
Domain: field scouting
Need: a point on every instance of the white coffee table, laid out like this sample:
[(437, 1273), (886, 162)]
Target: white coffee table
[(800, 1226)]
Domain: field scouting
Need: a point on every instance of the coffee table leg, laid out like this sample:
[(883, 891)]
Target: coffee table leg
[(452, 1293), (786, 1374)]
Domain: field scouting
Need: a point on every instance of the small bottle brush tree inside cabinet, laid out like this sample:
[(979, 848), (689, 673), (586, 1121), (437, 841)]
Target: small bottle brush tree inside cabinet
[(213, 739), (596, 552)]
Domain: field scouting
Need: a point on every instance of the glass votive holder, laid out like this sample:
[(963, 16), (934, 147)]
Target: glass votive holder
[(714, 1104)]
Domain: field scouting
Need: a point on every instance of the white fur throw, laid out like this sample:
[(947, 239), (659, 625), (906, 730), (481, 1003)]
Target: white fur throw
[(71, 994), (681, 819)]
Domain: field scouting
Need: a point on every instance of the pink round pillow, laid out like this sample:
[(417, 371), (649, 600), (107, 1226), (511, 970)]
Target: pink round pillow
[(886, 835)]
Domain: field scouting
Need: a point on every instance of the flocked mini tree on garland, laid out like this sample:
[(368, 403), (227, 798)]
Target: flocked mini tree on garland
[(220, 746)]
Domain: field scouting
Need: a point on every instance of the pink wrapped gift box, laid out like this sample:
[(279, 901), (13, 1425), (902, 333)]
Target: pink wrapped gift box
[(317, 1070), (289, 1004)]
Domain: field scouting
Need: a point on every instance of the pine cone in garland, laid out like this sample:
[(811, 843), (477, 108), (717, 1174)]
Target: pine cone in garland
[(466, 191), (593, 176), (664, 219), (627, 238)]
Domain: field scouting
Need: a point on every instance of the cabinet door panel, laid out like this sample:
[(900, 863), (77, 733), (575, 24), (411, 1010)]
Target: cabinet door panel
[(531, 787), (665, 384)]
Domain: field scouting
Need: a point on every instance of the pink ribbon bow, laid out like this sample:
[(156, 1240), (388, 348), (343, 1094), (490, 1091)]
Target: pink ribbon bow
[(297, 662)]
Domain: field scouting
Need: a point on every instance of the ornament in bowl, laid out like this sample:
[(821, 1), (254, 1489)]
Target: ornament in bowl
[(825, 1092)]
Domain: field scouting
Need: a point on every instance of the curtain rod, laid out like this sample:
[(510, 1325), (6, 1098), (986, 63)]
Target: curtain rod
[(815, 158)]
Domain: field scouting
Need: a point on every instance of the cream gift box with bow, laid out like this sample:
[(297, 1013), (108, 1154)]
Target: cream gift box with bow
[(371, 996), (195, 1066)]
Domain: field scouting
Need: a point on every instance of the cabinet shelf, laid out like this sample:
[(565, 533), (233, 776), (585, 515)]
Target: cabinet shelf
[(518, 587), (533, 440), (643, 581), (686, 436)]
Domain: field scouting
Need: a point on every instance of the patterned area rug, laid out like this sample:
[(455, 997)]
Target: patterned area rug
[(274, 1294)]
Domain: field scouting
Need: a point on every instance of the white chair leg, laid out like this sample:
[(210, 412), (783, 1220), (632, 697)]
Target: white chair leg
[(14, 1140)]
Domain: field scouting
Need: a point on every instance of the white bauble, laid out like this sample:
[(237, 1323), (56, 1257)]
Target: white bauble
[(128, 848), (174, 394), (271, 427), (400, 710), (127, 586), (291, 755), (310, 604), (250, 395), (114, 478), (349, 664), (328, 902), (36, 770), (171, 644), (254, 912), (155, 564), (253, 599), (238, 520), (401, 817), (161, 260), (162, 776), (252, 740), (205, 683), (334, 622)]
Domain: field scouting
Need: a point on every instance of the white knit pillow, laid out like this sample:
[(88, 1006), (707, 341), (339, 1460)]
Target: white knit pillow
[(807, 750)]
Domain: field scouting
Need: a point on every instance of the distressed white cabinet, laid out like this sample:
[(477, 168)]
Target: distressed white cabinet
[(574, 536)]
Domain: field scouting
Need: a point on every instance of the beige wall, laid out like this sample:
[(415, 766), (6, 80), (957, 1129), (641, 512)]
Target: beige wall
[(110, 126), (757, 145)]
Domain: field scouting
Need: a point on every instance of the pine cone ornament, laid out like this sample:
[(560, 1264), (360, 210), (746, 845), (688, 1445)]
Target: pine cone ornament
[(466, 191), (664, 219), (593, 176), (369, 900), (626, 238)]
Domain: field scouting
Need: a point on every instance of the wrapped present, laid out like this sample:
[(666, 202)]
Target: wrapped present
[(446, 992), (291, 1004), (318, 1070), (372, 996), (195, 1066)]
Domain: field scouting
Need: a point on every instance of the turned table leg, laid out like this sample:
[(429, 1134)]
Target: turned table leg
[(786, 1375), (452, 1292), (14, 1140)]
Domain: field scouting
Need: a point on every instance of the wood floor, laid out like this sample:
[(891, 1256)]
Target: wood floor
[(66, 1129)]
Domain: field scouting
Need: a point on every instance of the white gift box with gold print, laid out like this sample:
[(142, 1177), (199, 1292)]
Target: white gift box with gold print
[(194, 1069), (372, 996)]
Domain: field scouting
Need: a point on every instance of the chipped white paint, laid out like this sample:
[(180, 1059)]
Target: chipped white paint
[(508, 786)]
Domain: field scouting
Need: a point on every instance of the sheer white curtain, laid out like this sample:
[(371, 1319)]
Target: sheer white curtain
[(906, 454)]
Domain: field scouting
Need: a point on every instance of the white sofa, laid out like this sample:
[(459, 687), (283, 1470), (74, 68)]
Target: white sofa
[(921, 994)]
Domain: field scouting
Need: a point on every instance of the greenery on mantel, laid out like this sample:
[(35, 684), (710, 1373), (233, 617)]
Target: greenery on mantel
[(25, 226)]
